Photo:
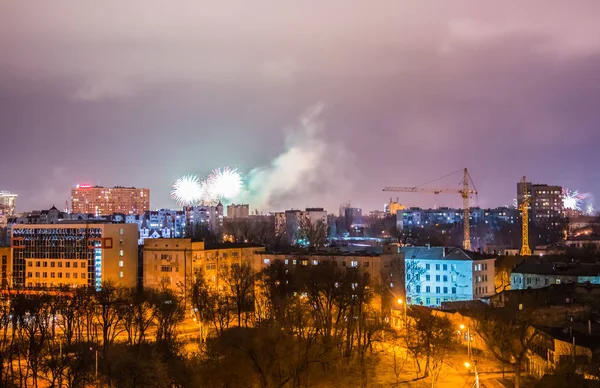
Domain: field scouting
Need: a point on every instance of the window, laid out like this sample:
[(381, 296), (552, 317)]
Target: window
[(304, 262), (75, 275), (266, 261), (294, 262), (546, 282), (437, 300), (60, 264), (75, 264), (37, 274), (354, 264), (121, 274), (437, 290), (418, 289), (454, 290), (445, 278), (529, 280), (45, 264), (427, 267), (453, 266), (29, 274), (211, 266), (437, 267), (315, 262), (60, 275), (52, 274), (427, 289), (366, 264), (121, 252), (453, 278), (121, 263), (44, 274), (286, 261), (83, 275), (52, 264), (37, 263), (427, 301), (437, 278), (68, 264), (427, 277), (30, 263), (485, 266), (121, 231), (445, 267), (557, 281), (445, 290)]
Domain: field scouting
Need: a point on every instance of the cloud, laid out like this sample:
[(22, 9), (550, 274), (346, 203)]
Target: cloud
[(103, 89), (279, 70), (310, 169)]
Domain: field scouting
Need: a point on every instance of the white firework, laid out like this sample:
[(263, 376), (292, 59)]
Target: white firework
[(187, 190), (224, 184), (572, 199), (589, 209)]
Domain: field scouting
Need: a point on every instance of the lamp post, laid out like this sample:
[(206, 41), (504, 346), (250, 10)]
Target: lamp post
[(468, 366), (401, 302), (462, 327)]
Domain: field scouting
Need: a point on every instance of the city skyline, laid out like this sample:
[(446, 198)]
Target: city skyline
[(403, 94)]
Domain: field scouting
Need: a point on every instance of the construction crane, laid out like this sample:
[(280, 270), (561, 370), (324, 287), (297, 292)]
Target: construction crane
[(524, 208), (466, 191)]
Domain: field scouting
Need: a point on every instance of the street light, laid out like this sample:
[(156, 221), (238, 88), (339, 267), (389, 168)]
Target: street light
[(401, 302), (462, 327), (468, 366)]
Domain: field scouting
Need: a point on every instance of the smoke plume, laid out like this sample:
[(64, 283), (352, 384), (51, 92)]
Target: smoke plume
[(309, 168)]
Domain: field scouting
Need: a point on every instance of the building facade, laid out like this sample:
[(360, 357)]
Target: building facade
[(439, 274), (207, 217), (6, 263), (100, 200), (296, 219), (541, 274), (171, 263), (546, 211), (238, 211), (73, 255), (7, 206)]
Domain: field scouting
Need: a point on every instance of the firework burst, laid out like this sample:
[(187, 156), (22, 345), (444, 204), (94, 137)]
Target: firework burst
[(224, 184), (572, 199), (187, 190)]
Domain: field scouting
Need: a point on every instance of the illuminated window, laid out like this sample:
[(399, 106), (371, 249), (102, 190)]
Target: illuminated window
[(267, 261), (121, 263), (121, 274), (121, 252)]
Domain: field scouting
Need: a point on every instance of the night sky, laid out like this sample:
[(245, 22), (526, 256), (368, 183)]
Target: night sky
[(320, 102)]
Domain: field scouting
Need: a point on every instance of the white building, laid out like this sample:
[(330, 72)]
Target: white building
[(238, 211), (209, 216), (440, 274)]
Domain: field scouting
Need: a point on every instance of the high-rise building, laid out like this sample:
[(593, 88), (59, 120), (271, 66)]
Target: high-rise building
[(100, 200), (7, 206), (238, 211), (74, 255), (205, 217), (353, 217), (546, 210), (8, 201), (297, 219)]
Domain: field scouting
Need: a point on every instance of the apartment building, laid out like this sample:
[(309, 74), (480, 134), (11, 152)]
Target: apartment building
[(441, 274), (73, 255), (173, 262), (539, 274), (100, 200)]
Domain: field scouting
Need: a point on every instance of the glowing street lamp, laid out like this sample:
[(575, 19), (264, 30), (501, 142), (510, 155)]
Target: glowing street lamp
[(468, 366)]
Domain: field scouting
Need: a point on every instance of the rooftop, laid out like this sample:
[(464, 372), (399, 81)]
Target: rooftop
[(443, 253), (325, 254), (558, 268), (228, 245)]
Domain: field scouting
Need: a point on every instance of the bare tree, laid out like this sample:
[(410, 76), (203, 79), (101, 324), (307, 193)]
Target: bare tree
[(239, 281), (507, 336), (110, 303)]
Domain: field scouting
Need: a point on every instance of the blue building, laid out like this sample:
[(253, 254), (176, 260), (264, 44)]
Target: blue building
[(441, 274)]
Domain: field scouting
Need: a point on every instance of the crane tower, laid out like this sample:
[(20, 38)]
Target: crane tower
[(524, 208), (466, 191)]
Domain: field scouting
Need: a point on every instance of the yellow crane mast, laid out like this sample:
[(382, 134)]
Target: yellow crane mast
[(465, 193), (524, 208)]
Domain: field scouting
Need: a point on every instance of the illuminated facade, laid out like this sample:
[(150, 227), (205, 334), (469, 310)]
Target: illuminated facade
[(172, 262), (238, 211), (73, 255), (546, 210), (7, 206), (100, 200)]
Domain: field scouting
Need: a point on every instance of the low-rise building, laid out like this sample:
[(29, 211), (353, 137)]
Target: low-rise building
[(387, 266), (172, 262), (6, 262), (73, 255), (440, 274), (530, 274)]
